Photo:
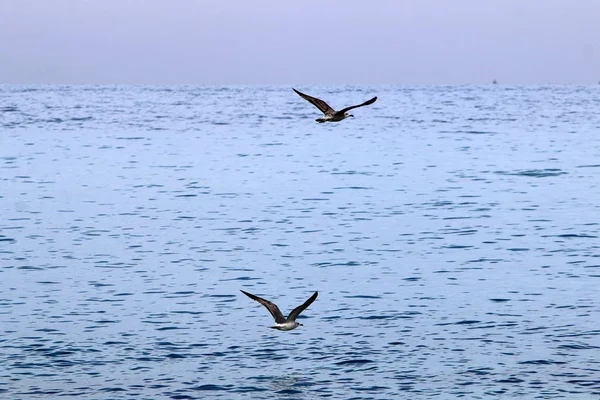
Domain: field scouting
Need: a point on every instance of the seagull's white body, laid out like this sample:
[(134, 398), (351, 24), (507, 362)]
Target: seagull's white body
[(286, 326), (282, 323), (329, 114), (333, 118)]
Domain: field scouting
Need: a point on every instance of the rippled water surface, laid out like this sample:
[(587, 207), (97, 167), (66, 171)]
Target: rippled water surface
[(452, 234)]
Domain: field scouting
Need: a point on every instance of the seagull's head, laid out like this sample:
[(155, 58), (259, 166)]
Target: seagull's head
[(346, 115)]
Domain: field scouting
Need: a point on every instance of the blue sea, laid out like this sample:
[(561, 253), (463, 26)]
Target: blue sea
[(452, 232)]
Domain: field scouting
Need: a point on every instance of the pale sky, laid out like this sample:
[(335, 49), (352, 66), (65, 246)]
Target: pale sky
[(299, 42)]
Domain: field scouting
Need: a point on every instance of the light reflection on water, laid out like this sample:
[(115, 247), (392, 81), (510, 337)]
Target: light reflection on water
[(450, 232)]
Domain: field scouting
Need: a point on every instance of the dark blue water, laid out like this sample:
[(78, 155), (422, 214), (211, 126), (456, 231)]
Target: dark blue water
[(452, 233)]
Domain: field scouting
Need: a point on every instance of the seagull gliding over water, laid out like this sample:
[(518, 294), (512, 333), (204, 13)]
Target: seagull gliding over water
[(330, 114), (282, 323)]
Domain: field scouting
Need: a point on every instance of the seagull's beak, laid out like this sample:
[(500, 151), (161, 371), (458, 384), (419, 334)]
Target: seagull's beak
[(350, 115)]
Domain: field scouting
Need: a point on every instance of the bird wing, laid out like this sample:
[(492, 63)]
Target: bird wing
[(366, 103), (296, 311), (273, 309), (320, 104)]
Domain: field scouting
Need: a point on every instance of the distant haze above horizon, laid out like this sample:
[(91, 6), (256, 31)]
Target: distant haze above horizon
[(300, 43)]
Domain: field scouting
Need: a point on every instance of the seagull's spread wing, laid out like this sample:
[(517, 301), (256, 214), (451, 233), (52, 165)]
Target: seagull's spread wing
[(366, 103), (320, 104), (273, 309), (296, 311)]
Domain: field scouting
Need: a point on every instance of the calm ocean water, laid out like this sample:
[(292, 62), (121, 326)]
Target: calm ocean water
[(452, 234)]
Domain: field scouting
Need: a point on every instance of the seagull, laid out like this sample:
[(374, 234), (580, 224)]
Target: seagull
[(330, 114), (282, 323)]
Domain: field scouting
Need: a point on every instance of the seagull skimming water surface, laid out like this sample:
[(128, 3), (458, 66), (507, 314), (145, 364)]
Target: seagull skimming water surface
[(330, 114), (282, 323)]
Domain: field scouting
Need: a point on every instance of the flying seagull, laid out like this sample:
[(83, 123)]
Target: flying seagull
[(282, 323), (330, 114)]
